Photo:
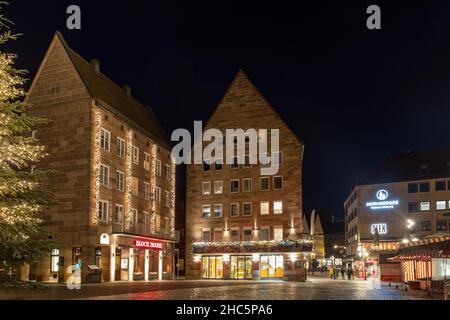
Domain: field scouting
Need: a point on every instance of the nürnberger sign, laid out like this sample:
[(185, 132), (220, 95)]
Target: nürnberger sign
[(147, 244)]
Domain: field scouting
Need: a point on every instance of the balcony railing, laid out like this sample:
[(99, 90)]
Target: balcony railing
[(143, 230)]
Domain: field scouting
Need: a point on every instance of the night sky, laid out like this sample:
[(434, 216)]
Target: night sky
[(354, 96)]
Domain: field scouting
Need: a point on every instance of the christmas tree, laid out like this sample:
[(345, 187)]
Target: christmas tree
[(21, 197)]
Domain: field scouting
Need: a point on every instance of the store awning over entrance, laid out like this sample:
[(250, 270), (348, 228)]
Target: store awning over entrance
[(424, 250), (288, 246)]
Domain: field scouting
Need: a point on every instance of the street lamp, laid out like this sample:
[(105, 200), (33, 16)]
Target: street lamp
[(409, 225), (363, 253)]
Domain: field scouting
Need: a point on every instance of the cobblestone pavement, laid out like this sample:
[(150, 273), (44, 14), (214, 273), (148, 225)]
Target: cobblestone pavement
[(315, 288)]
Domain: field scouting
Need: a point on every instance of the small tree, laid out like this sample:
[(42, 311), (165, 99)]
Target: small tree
[(21, 197)]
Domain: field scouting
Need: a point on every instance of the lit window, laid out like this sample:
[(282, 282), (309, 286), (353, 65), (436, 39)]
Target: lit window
[(441, 205), (135, 155), (104, 175), (105, 138), (247, 185), (278, 207), (278, 233), (234, 209), (234, 186), (218, 187), (118, 214), (103, 210), (247, 209), (265, 208), (264, 183), (54, 266), (121, 148), (206, 211), (135, 186), (146, 161), (425, 206), (218, 211), (206, 188), (277, 183)]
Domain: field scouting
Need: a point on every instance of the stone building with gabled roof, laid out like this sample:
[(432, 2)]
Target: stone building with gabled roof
[(115, 217), (241, 224)]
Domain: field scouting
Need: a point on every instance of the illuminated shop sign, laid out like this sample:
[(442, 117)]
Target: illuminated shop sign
[(383, 202), (381, 227), (147, 244)]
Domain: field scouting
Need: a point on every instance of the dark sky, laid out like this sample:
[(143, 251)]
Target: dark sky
[(354, 96)]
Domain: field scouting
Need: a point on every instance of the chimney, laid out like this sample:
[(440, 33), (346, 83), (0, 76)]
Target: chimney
[(127, 90), (96, 64)]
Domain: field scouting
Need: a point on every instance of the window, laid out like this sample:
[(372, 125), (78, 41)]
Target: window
[(206, 211), (167, 172), (218, 187), (158, 194), (234, 186), (234, 210), (134, 217), (120, 177), (264, 183), (425, 206), (135, 155), (425, 225), (278, 207), (278, 158), (413, 188), (247, 234), (135, 186), (247, 185), (105, 138), (247, 162), (247, 209), (234, 234), (424, 187), (103, 210), (440, 185), (104, 175), (206, 188), (218, 165), (441, 205), (218, 235), (235, 163), (218, 211), (146, 161), (413, 207), (147, 191), (146, 221), (264, 234), (441, 225), (265, 208), (206, 165), (206, 235), (277, 233), (54, 265), (167, 196), (277, 183), (121, 148), (118, 214), (158, 168)]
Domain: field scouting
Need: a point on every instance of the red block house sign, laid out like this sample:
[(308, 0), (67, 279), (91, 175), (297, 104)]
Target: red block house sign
[(148, 244)]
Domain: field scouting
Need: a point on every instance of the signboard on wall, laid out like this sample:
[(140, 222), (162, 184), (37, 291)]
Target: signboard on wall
[(381, 227), (383, 201), (148, 244)]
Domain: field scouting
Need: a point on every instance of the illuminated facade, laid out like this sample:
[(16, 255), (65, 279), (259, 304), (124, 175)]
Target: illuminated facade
[(404, 200), (116, 187), (240, 224)]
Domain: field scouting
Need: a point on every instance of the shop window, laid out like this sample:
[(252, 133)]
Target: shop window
[(264, 183), (424, 187), (278, 233), (234, 210), (54, 261), (440, 185), (278, 207), (247, 209), (218, 187), (413, 188), (206, 188), (212, 267), (441, 225), (247, 234), (264, 234), (206, 211), (425, 206), (241, 267), (265, 208), (247, 185), (218, 211), (441, 205), (425, 225), (234, 234), (271, 267)]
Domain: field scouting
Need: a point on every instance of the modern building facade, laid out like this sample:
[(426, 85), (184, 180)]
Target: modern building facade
[(404, 200), (241, 224), (115, 217)]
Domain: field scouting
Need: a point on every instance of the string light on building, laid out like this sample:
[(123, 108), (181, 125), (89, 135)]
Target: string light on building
[(98, 126), (172, 198), (153, 186), (129, 179)]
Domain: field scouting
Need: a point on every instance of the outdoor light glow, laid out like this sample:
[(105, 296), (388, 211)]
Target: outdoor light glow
[(128, 178), (172, 198), (405, 241), (255, 257), (226, 257), (98, 125), (293, 257), (382, 196), (197, 258), (153, 184)]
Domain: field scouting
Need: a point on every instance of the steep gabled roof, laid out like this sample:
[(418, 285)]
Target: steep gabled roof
[(104, 89), (242, 80)]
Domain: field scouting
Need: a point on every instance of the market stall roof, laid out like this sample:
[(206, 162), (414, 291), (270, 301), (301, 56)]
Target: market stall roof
[(426, 249)]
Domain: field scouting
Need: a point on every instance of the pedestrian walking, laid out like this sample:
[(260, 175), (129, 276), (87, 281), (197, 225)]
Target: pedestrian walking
[(353, 274), (349, 273), (343, 273), (332, 272)]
